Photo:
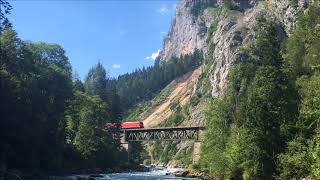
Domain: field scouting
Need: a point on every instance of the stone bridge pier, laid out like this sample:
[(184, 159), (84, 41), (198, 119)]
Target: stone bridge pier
[(125, 146), (196, 152)]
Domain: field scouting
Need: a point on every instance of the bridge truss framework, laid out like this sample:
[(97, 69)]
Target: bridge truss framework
[(163, 134)]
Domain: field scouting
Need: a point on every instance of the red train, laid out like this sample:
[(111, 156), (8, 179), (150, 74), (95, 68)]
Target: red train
[(125, 125)]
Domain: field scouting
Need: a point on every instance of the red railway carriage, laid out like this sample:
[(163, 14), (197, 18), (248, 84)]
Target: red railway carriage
[(125, 125), (131, 125)]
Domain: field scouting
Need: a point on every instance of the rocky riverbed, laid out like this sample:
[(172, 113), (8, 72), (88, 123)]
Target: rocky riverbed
[(154, 173)]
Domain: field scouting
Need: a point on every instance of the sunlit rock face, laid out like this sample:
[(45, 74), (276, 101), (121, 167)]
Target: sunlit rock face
[(190, 28), (186, 34), (287, 12), (221, 35)]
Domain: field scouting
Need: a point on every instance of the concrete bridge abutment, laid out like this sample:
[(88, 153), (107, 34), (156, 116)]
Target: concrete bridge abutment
[(126, 147), (196, 152)]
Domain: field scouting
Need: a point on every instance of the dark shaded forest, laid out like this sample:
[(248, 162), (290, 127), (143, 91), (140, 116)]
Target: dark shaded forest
[(266, 126), (51, 120)]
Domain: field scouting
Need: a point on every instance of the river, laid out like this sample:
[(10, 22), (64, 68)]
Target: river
[(153, 174)]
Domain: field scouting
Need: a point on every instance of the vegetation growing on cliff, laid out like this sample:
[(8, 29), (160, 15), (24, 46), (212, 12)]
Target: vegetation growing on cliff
[(266, 124), (146, 83), (51, 120)]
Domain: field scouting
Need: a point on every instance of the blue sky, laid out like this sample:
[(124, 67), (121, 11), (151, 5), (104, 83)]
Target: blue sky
[(122, 35)]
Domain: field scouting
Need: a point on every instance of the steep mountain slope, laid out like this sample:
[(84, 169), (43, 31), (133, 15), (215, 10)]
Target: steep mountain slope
[(221, 31), (180, 92), (177, 94)]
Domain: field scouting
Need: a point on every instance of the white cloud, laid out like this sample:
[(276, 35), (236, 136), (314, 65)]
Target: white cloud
[(123, 32), (153, 55), (163, 32), (116, 66), (163, 10)]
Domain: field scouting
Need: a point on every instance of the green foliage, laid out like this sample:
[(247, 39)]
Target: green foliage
[(144, 108), (294, 3), (163, 153), (5, 8), (309, 90), (185, 156), (36, 88), (247, 128), (224, 12), (174, 120), (145, 83), (86, 115), (302, 57), (228, 4), (97, 83), (265, 126), (47, 121), (197, 7), (194, 100), (138, 153), (213, 28), (215, 137), (295, 162), (315, 153), (302, 48), (96, 80)]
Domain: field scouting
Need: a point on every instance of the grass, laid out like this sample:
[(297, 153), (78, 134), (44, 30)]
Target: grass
[(163, 152), (185, 156), (143, 109), (224, 13), (213, 28)]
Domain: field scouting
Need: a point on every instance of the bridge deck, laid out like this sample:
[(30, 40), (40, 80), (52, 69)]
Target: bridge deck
[(163, 134)]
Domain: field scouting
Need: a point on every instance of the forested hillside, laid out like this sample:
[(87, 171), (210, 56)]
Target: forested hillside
[(266, 125), (145, 83), (261, 65), (51, 120), (249, 71)]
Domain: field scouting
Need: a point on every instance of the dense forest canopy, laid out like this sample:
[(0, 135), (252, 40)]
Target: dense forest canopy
[(145, 83), (51, 120), (40, 108), (266, 126)]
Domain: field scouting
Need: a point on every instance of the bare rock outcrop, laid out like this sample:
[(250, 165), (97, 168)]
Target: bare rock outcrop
[(221, 34), (287, 11), (190, 28)]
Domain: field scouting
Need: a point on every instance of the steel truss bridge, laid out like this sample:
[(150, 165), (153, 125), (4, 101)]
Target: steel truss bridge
[(163, 134)]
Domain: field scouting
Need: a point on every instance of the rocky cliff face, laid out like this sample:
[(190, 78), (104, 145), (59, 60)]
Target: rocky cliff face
[(186, 34), (287, 11), (190, 25), (221, 33)]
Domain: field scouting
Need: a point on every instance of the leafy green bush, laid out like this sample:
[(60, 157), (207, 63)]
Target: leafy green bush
[(296, 161), (213, 28)]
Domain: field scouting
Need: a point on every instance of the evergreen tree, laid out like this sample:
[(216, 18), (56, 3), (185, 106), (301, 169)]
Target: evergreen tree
[(85, 120)]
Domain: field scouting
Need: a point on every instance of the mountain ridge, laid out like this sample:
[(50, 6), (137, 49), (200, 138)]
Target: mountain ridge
[(221, 33)]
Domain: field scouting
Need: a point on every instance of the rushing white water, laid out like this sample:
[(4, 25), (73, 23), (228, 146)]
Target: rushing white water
[(154, 174)]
